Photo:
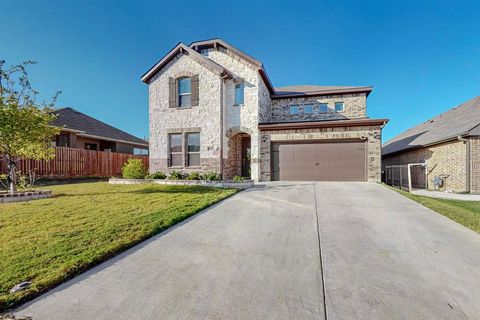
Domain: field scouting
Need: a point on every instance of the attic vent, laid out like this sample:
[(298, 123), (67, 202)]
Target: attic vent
[(431, 121)]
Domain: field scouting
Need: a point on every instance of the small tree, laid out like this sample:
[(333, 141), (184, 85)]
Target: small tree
[(25, 122)]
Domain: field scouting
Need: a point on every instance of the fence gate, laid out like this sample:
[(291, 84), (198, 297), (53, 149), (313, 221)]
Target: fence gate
[(407, 176)]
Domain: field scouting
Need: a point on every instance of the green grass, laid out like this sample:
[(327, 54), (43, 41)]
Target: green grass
[(467, 213), (51, 240)]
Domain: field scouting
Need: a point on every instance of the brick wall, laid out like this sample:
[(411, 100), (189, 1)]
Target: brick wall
[(355, 106), (475, 164), (442, 159), (371, 133)]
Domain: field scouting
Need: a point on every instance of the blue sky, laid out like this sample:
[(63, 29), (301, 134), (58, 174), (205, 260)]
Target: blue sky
[(422, 57)]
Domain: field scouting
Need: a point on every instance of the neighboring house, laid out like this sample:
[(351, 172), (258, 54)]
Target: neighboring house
[(213, 108), (84, 132), (449, 143)]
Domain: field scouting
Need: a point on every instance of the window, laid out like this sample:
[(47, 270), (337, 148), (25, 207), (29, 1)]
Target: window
[(339, 106), (91, 146), (204, 52), (176, 154), (193, 149), (184, 92), (308, 109), (294, 110), (323, 107), (238, 94)]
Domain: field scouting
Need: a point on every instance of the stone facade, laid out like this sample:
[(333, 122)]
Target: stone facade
[(222, 125), (204, 118), (442, 159), (372, 135), (355, 107)]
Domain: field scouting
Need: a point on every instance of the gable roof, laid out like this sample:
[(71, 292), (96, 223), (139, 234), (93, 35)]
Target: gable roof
[(462, 120), (84, 125), (276, 93), (199, 45), (309, 90), (182, 48)]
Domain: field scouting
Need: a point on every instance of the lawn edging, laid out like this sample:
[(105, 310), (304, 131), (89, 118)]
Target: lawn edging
[(171, 217), (465, 213), (6, 197), (206, 183)]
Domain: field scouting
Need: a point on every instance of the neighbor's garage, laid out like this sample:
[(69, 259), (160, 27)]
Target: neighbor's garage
[(335, 160)]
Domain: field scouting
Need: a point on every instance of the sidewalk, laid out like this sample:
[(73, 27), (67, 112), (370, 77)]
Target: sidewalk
[(447, 195)]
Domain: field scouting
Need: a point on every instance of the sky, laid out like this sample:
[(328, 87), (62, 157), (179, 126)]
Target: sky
[(421, 57)]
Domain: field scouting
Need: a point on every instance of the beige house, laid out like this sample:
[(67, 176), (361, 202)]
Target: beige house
[(214, 108), (449, 144)]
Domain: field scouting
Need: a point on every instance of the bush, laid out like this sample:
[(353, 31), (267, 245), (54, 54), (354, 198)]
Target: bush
[(211, 176), (238, 179), (133, 169), (176, 175), (157, 175), (194, 175)]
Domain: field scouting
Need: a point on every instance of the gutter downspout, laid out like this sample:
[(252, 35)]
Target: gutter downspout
[(467, 163), (222, 120)]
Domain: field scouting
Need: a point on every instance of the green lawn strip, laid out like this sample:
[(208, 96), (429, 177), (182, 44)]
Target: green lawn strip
[(467, 213), (51, 240)]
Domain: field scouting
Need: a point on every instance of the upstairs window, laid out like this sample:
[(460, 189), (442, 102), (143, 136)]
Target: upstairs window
[(193, 149), (323, 107), (294, 110), (184, 92), (176, 154), (239, 94), (308, 109), (339, 107)]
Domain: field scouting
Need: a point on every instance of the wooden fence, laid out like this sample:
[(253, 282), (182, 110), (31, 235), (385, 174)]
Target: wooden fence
[(70, 162)]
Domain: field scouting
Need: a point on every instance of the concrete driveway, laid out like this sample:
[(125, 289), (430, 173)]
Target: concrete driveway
[(257, 255)]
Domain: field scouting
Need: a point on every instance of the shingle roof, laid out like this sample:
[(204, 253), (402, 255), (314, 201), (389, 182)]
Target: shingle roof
[(70, 118), (457, 121), (182, 48), (309, 90)]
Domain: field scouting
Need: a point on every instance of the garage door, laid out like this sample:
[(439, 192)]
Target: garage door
[(319, 161)]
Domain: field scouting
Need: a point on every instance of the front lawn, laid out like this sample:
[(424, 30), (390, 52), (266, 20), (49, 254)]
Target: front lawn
[(467, 213), (48, 241)]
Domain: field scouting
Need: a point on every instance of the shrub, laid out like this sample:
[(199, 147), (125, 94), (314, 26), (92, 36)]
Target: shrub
[(211, 176), (176, 175), (133, 169), (157, 175), (238, 179), (194, 175)]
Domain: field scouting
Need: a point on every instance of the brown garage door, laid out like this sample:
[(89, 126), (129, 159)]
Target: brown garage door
[(319, 161)]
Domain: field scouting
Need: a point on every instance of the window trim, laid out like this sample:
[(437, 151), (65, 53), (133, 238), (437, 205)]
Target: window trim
[(170, 153), (320, 107), (235, 102), (187, 152), (309, 105), (343, 106), (294, 106), (184, 94)]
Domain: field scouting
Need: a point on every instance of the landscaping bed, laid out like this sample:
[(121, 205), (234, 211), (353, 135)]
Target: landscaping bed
[(217, 184), (6, 197), (48, 241)]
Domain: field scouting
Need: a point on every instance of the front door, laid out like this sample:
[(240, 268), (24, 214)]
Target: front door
[(246, 157)]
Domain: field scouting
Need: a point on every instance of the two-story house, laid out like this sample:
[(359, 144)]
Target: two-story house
[(214, 108)]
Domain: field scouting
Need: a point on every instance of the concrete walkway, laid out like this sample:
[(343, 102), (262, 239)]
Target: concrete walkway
[(447, 195), (257, 256)]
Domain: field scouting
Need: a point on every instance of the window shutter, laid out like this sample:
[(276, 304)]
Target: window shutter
[(195, 96), (172, 92)]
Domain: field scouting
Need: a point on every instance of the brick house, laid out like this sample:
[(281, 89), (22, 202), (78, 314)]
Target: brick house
[(84, 132), (214, 108), (449, 143)]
